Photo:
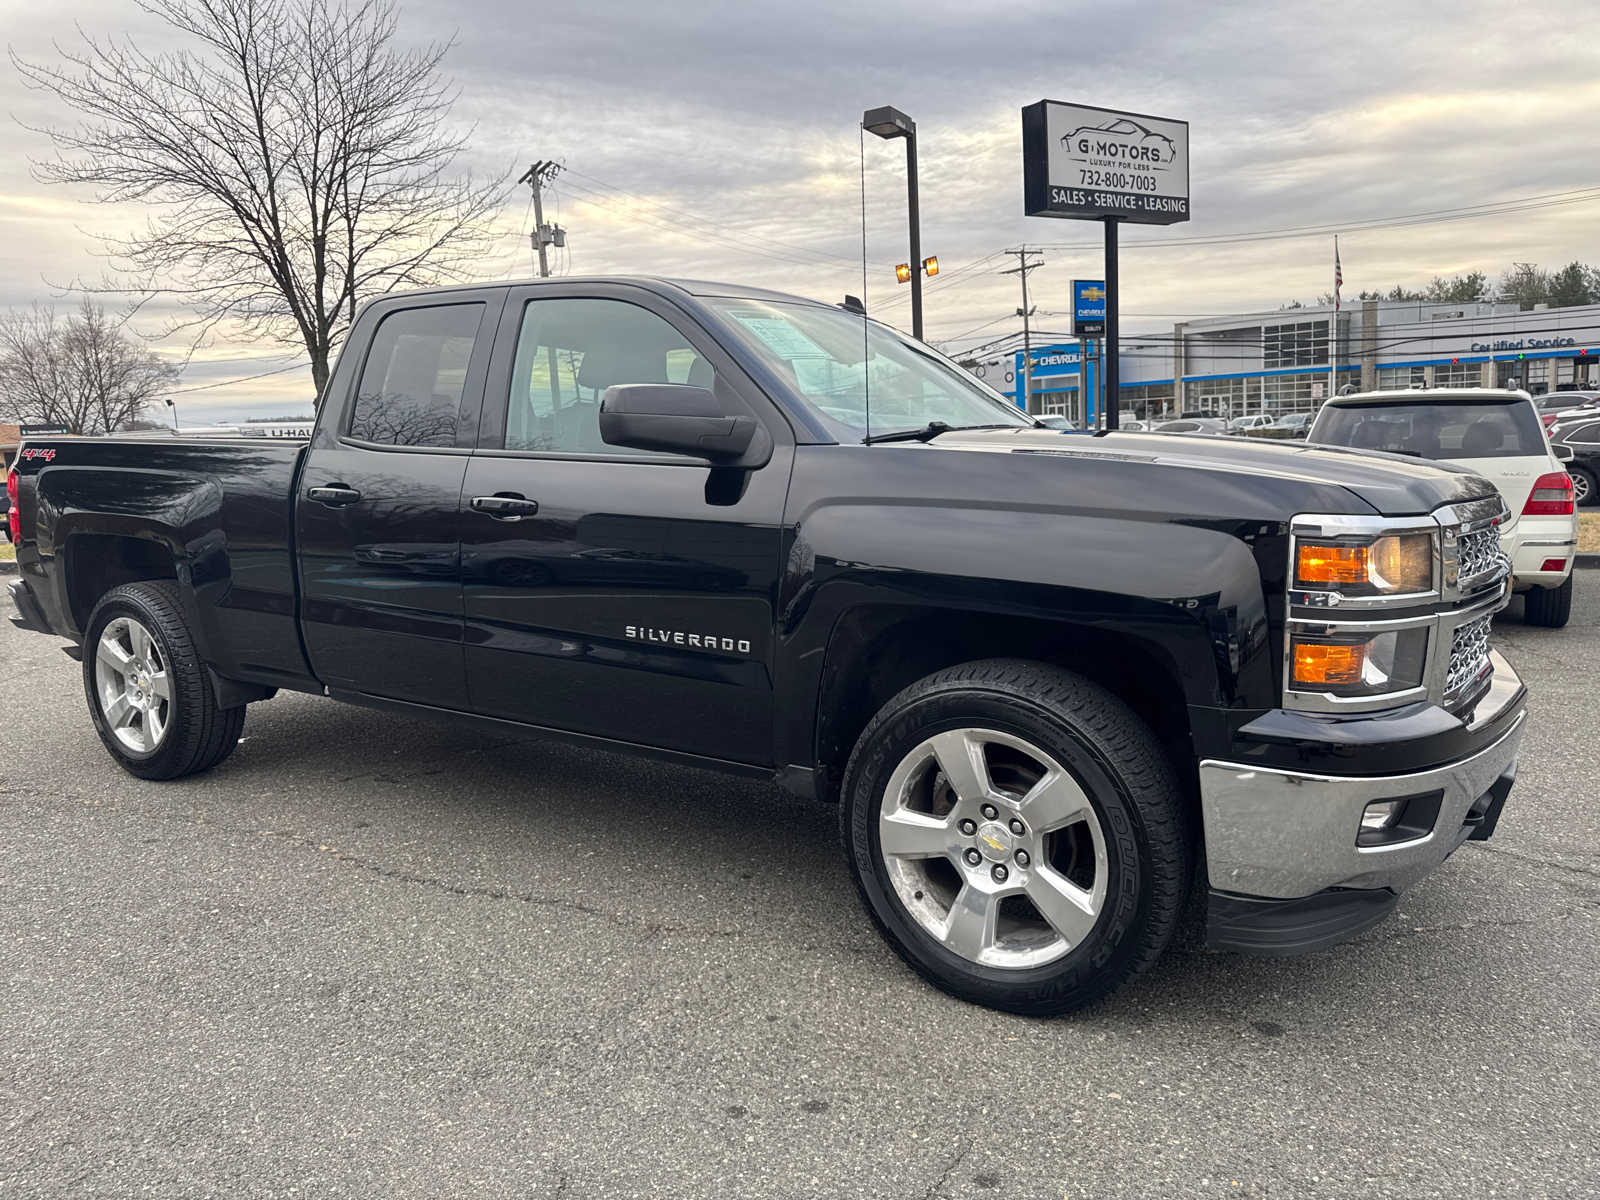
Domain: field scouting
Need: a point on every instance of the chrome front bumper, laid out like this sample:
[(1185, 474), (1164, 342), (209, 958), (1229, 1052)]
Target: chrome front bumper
[(1285, 835)]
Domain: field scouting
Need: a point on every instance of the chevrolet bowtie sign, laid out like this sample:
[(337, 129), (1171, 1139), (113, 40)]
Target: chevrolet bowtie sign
[(1090, 163), (1088, 308)]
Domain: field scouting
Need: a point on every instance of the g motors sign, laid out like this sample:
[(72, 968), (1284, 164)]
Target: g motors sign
[(1090, 163)]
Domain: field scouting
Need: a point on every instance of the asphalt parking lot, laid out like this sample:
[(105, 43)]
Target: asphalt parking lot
[(374, 957)]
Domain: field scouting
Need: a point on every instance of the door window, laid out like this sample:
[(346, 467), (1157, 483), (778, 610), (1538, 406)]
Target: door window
[(569, 352), (410, 392)]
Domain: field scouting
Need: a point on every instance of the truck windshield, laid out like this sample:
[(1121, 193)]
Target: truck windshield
[(1436, 429), (849, 369)]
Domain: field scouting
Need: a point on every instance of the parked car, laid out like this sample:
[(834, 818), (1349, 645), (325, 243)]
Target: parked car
[(1497, 434), (1251, 422), (1553, 406), (1295, 424), (1193, 425), (1041, 677), (1582, 437)]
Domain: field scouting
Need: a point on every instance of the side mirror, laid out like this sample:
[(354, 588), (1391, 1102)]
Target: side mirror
[(1564, 453), (675, 418)]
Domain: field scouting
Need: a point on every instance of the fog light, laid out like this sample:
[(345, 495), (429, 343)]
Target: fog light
[(1381, 814)]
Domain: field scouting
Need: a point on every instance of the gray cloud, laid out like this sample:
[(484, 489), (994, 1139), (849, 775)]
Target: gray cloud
[(746, 115)]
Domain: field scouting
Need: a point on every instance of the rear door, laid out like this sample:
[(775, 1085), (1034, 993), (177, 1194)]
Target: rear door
[(377, 508), (622, 594)]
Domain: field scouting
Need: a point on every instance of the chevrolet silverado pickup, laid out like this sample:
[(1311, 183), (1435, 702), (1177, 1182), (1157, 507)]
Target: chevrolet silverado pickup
[(1048, 678)]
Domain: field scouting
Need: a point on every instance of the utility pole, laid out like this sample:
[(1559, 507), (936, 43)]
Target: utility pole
[(538, 177), (1022, 268)]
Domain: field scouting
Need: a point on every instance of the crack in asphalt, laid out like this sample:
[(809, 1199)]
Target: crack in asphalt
[(1405, 931), (621, 920), (1487, 848), (938, 1184)]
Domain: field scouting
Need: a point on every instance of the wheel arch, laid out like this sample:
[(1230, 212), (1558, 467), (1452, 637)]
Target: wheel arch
[(878, 650)]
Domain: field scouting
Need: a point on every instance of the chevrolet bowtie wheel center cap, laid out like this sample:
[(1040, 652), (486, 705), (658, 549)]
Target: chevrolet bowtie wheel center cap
[(995, 841)]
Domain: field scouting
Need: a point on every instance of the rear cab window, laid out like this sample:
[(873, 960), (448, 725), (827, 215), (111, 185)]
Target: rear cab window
[(1449, 427)]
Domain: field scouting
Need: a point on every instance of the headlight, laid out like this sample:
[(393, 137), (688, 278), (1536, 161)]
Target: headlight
[(1359, 665), (1386, 566)]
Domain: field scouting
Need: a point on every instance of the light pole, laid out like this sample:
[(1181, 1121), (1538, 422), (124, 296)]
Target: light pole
[(889, 122)]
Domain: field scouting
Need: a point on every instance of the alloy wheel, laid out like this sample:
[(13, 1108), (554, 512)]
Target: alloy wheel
[(133, 686), (993, 848)]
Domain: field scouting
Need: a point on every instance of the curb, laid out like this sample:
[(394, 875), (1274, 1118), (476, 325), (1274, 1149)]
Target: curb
[(1591, 561), (10, 568)]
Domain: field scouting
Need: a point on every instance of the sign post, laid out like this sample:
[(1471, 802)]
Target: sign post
[(1099, 164)]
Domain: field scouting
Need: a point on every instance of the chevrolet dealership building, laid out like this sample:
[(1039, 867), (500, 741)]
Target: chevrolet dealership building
[(1279, 362)]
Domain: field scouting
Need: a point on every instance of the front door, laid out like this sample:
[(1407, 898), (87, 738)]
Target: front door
[(377, 514), (617, 593)]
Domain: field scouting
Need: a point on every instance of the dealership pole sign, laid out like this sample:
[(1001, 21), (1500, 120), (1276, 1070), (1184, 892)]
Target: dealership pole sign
[(1086, 163)]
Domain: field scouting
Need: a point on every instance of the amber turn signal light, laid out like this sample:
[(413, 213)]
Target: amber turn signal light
[(1332, 564), (1321, 665)]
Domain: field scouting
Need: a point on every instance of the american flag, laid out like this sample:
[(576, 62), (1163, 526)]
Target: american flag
[(1338, 274)]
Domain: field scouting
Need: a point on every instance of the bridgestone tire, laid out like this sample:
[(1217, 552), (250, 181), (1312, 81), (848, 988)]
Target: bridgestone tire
[(1122, 771), (1550, 607), (198, 735)]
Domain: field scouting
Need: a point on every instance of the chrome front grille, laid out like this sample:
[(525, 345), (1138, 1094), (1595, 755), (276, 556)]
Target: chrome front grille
[(1469, 657), (1478, 555)]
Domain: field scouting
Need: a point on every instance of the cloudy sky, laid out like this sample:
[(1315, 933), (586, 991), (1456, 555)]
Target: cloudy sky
[(720, 140)]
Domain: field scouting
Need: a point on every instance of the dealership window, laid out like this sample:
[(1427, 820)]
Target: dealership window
[(1398, 379), (1148, 400), (1536, 375), (1458, 375), (1293, 393), (1302, 344), (1212, 395)]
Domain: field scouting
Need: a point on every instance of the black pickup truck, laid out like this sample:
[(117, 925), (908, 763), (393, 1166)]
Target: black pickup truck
[(1046, 676)]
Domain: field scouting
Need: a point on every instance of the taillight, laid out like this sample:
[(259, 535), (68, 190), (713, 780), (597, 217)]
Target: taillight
[(13, 513), (1551, 496)]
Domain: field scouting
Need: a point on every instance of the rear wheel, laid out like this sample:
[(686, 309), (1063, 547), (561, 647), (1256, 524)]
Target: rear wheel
[(1583, 485), (149, 694), (1549, 607), (1016, 834)]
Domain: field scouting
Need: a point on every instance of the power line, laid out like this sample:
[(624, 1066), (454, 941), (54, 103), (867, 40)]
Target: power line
[(718, 224), (1500, 208), (206, 387), (604, 204)]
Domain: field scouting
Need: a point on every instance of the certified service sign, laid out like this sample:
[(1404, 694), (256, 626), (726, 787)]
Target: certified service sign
[(1090, 163)]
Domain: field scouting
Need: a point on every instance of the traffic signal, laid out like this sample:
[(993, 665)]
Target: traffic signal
[(930, 266), (902, 272)]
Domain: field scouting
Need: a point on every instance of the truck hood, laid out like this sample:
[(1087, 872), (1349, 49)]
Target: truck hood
[(1392, 484)]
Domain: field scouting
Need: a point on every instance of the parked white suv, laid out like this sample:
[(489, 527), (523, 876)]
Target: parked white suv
[(1497, 434)]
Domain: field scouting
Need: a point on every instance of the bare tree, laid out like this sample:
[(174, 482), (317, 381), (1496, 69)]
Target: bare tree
[(301, 163), (81, 372)]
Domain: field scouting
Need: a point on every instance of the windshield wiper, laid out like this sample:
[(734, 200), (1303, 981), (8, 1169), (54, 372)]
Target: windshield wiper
[(927, 433)]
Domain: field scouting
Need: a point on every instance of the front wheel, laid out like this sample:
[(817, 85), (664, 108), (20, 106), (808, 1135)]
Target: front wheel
[(1017, 835), (149, 694)]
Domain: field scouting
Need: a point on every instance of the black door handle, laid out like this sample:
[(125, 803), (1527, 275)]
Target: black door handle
[(505, 506), (334, 495)]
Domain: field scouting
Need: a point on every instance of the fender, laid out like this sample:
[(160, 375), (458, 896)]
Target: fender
[(226, 534), (1189, 568)]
